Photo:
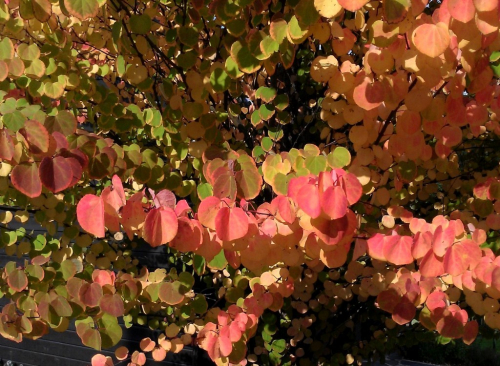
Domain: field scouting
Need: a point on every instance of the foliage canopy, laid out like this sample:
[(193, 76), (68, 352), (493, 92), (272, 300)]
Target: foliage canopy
[(323, 175)]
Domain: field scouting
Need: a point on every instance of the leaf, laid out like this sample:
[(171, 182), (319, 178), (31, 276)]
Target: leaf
[(42, 10), (82, 9), (404, 312), (328, 8), (14, 121), (471, 331), (219, 80), (397, 249), (112, 304), (431, 40), (231, 223), (339, 158), (6, 145), (90, 214), (308, 199), (17, 280), (55, 173), (90, 294), (450, 327), (462, 10), (334, 202), (101, 360), (25, 179), (369, 94), (170, 294), (241, 53), (64, 122), (160, 226), (140, 24), (395, 10), (353, 5), (36, 135)]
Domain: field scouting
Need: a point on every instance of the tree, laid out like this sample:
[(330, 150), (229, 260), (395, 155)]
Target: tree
[(323, 175)]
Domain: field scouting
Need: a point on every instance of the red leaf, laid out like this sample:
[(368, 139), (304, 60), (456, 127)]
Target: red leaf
[(56, 173), (25, 179), (37, 136), (90, 214), (404, 312), (334, 202), (471, 330), (231, 223), (450, 327), (6, 145), (388, 299), (160, 226), (90, 294), (76, 169)]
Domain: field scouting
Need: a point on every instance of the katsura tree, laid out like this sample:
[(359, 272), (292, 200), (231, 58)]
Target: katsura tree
[(322, 176)]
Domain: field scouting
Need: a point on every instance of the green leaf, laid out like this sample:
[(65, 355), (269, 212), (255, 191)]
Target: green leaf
[(219, 80), (82, 9), (279, 345), (219, 261), (140, 24), (14, 121), (339, 158), (266, 94)]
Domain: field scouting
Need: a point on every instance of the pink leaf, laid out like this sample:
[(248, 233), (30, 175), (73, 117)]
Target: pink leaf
[(309, 201), (90, 214), (334, 202), (397, 249)]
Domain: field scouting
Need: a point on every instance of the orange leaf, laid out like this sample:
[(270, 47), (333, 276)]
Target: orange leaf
[(430, 39), (369, 94)]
